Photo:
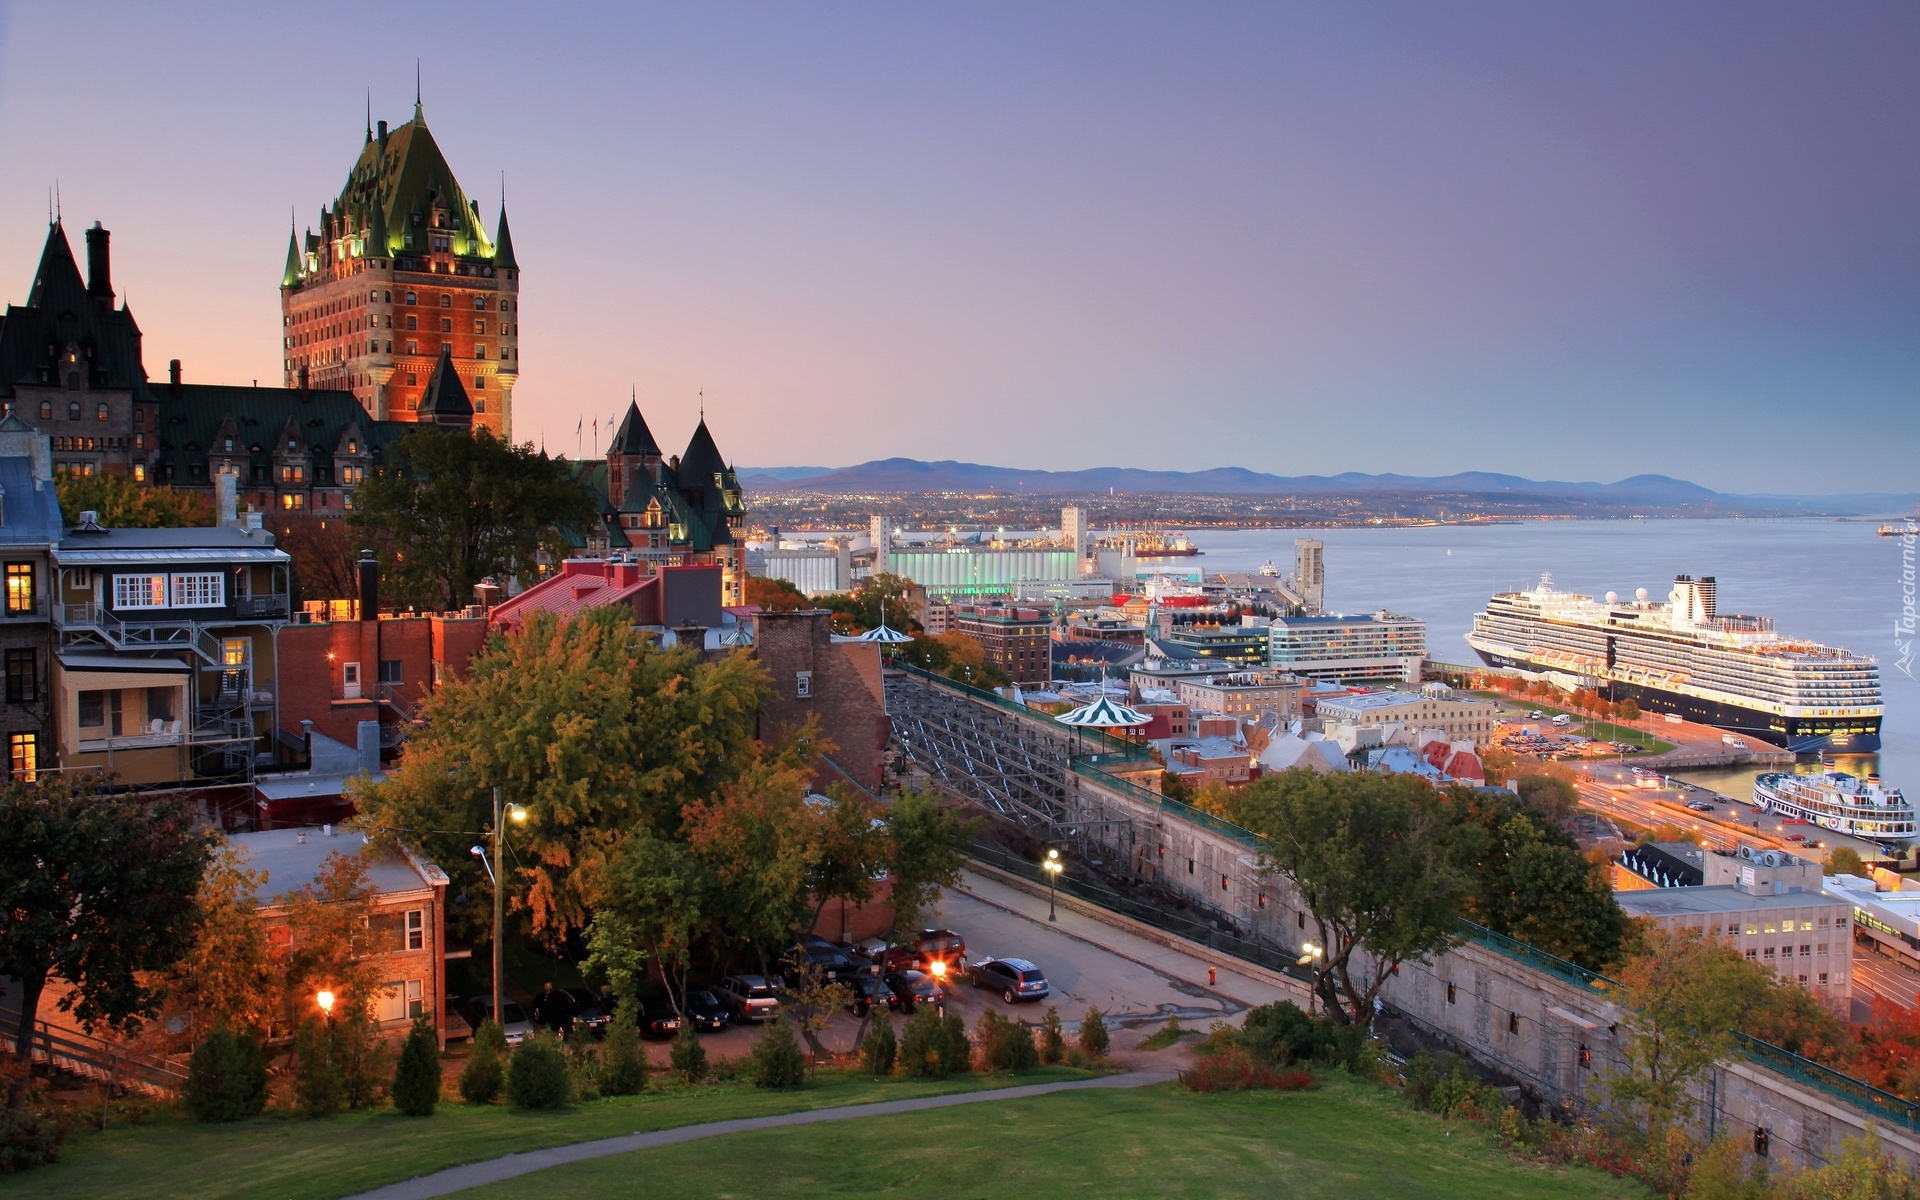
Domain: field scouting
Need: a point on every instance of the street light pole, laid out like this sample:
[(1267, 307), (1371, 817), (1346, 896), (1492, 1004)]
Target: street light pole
[(1052, 866), (501, 813)]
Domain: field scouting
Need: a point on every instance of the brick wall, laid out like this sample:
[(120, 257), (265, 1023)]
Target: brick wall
[(836, 684)]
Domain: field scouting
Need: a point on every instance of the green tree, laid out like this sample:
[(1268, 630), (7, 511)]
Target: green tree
[(757, 839), (1550, 795), (879, 1048), (1375, 860), (657, 901), (416, 1082), (97, 890), (362, 1059), (227, 976), (457, 508), (1687, 994), (1844, 860), (1862, 1172), (687, 1056), (483, 1076), (317, 1085), (226, 1077), (537, 1075), (882, 597), (850, 848), (623, 1061), (331, 947), (1531, 882), (1053, 1039), (921, 1044), (929, 844), (1093, 1033), (123, 504), (956, 1049), (597, 734), (776, 1057)]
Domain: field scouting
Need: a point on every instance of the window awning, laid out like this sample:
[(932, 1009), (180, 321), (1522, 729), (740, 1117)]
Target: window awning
[(117, 664)]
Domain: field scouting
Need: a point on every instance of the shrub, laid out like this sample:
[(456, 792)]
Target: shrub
[(1236, 1070), (688, 1055), (416, 1081), (623, 1063), (226, 1077), (491, 1035), (1053, 1040), (316, 1077), (920, 1045), (584, 1068), (987, 1033), (361, 1059), (537, 1074), (777, 1061), (483, 1076), (1018, 1052), (879, 1049), (956, 1052), (26, 1140), (1093, 1034), (1281, 1033)]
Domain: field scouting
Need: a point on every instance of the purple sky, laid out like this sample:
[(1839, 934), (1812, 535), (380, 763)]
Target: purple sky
[(1419, 238)]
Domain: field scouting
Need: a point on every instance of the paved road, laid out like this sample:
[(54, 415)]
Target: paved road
[(1874, 974), (512, 1166)]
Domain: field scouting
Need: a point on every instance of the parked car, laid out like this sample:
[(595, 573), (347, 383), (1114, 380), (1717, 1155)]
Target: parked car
[(657, 1018), (1015, 979), (868, 991), (908, 988), (591, 1011), (1700, 806), (705, 1011), (748, 998), (514, 1022), (918, 951), (833, 963)]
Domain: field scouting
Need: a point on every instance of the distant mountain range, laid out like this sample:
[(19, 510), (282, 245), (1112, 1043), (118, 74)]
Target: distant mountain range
[(1652, 491)]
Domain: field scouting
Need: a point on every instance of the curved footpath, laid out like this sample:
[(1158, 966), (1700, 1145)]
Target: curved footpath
[(494, 1170)]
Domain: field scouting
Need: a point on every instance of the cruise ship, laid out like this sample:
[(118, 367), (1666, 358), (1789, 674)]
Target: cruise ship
[(1838, 801), (1682, 656)]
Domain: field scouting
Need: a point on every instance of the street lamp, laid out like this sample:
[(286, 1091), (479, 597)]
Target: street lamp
[(1309, 954), (1052, 866), (501, 814), (325, 1000)]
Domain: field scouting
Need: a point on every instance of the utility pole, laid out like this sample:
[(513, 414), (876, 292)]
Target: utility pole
[(499, 905)]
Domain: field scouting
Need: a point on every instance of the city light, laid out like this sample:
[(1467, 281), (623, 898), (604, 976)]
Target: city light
[(1052, 866), (325, 999)]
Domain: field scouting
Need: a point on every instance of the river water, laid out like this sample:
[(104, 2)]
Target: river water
[(1833, 582)]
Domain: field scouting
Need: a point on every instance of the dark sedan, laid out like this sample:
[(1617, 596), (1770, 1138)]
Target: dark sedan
[(591, 1011), (705, 1012), (1015, 979), (908, 988), (657, 1018), (868, 991)]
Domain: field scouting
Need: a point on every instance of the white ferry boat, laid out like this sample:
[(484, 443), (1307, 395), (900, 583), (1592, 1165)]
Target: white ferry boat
[(1838, 801), (1683, 656)]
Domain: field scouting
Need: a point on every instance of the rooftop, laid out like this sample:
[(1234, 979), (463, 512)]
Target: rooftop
[(1721, 898), (204, 543), (292, 858), (1373, 700)]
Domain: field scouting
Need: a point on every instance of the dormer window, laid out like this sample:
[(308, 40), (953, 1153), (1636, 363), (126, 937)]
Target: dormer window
[(353, 446), (229, 445)]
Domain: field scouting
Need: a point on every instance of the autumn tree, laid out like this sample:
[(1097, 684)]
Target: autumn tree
[(97, 890), (330, 919), (123, 504), (883, 597), (227, 977), (851, 849), (1379, 865), (1687, 993), (325, 553), (595, 731), (928, 850), (1531, 882), (758, 840), (775, 595), (461, 507), (1549, 790)]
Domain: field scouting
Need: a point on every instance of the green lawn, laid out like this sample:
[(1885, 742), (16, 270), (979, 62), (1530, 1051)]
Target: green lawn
[(1343, 1139), (280, 1157)]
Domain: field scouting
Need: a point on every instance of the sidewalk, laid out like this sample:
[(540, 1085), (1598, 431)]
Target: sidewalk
[(1188, 966), (512, 1166)]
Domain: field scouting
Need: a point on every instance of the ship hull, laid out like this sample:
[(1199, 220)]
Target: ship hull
[(1802, 735)]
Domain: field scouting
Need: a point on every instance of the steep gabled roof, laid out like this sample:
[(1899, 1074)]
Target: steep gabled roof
[(59, 313), (196, 420), (503, 243), (445, 398), (400, 175), (633, 436), (57, 282)]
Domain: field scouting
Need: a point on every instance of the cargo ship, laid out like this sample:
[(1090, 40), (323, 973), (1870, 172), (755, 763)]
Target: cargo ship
[(1684, 657), (1838, 801)]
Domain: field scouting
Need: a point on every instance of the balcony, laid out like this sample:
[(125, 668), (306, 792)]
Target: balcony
[(261, 608)]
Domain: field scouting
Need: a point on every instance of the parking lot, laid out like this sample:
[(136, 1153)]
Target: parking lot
[(1136, 983)]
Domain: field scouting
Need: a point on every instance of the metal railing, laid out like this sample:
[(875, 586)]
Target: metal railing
[(1103, 743), (272, 607), (1826, 1079), (92, 1057)]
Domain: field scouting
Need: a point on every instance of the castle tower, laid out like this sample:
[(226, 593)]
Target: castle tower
[(399, 274)]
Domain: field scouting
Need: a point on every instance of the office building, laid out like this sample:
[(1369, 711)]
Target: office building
[(1460, 717), (1073, 530), (1264, 697), (1309, 580), (1241, 645), (1017, 640), (962, 573), (1382, 646)]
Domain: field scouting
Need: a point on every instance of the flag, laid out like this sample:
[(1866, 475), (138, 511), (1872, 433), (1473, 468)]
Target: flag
[(578, 426)]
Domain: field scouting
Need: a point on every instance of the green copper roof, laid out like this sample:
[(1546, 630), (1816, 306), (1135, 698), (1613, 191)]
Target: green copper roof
[(394, 189), (634, 437), (503, 243)]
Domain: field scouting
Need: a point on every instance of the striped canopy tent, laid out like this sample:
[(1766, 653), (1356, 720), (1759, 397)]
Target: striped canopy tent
[(883, 635), (1104, 713)]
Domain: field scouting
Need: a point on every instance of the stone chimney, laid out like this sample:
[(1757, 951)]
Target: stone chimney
[(226, 499), (99, 268)]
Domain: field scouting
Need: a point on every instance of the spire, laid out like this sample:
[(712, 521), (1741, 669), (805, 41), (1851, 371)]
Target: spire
[(57, 283), (369, 115), (418, 116), (633, 436), (445, 400), (503, 243), (291, 275)]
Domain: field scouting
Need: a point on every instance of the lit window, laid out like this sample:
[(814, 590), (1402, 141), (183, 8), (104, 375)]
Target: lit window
[(139, 591), (46, 410), (199, 590), (23, 756), (293, 501), (20, 589)]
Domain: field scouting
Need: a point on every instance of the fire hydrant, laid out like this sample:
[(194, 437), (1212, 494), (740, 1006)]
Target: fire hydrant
[(1213, 976)]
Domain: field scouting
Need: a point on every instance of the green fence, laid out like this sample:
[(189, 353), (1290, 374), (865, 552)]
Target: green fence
[(1842, 1087), (1102, 743)]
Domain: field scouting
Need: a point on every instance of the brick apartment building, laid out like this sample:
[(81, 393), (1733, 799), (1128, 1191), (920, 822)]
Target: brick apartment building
[(1017, 640), (835, 682)]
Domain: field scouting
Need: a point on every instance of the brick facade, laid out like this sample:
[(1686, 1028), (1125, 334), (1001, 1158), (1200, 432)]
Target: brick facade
[(836, 683)]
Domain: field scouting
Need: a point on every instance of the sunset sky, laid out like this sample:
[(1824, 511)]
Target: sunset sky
[(1644, 237)]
